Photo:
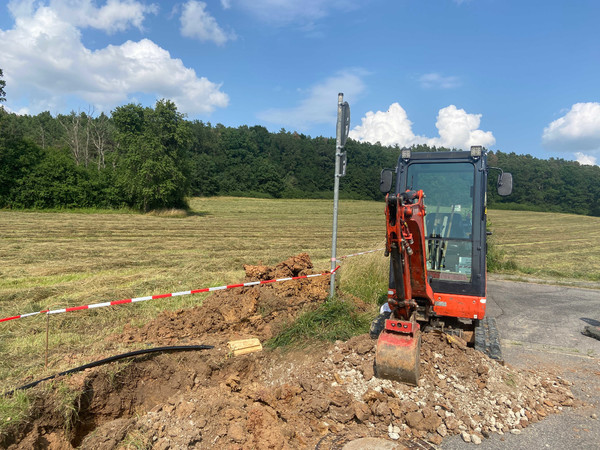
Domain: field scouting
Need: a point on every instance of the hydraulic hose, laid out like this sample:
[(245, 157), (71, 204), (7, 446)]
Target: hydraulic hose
[(176, 348)]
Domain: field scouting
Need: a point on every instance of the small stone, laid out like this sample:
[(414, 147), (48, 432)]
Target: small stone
[(413, 419), (515, 431), (594, 416), (236, 432), (361, 411), (435, 439), (393, 432), (442, 430), (475, 439), (465, 436)]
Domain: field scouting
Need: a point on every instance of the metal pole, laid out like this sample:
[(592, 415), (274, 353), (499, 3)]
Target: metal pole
[(336, 192)]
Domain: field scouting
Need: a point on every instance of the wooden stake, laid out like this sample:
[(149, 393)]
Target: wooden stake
[(47, 328)]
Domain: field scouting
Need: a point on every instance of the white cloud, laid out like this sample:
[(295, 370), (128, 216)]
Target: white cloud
[(284, 12), (196, 22), (457, 129), (115, 15), (320, 103), (586, 160), (436, 81), (578, 129), (44, 62), (388, 128)]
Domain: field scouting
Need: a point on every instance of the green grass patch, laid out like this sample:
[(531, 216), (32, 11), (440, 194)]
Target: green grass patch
[(13, 410), (366, 277), (335, 319), (68, 403)]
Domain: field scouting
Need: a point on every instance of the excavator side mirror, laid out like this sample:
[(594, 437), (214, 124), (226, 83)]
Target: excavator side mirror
[(385, 184), (505, 184)]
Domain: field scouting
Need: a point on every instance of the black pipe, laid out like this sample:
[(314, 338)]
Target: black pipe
[(176, 348)]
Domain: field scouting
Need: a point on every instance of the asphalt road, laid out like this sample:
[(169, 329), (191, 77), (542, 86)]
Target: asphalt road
[(541, 326)]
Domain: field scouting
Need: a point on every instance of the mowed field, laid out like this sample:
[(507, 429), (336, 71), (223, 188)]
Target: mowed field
[(57, 260)]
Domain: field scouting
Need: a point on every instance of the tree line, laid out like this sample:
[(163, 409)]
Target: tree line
[(153, 157)]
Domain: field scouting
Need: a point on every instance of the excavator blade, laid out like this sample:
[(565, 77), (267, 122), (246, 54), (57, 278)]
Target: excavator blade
[(398, 352)]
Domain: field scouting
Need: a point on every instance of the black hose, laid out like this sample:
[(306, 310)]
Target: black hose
[(176, 348)]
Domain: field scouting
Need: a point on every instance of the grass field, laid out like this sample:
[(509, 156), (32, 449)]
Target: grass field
[(549, 244), (60, 259)]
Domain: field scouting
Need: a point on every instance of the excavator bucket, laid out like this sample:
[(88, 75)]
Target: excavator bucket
[(398, 352)]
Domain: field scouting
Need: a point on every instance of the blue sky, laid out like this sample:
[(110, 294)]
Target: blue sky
[(516, 76)]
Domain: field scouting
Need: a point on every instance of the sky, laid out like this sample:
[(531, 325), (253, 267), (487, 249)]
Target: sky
[(517, 76)]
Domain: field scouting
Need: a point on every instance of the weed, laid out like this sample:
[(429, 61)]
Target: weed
[(366, 277), (136, 440), (115, 372), (509, 380), (68, 403), (334, 320), (13, 410)]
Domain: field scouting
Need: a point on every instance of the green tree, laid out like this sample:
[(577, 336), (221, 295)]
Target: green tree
[(153, 162), (18, 157)]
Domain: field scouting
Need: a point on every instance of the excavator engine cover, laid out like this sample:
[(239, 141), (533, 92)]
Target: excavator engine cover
[(398, 350)]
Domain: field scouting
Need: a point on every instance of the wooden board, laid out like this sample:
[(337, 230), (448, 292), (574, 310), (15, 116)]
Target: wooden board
[(243, 346)]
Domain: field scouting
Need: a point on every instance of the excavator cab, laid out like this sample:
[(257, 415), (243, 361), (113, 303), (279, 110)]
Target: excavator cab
[(436, 240)]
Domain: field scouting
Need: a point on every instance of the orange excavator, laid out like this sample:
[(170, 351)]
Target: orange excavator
[(437, 256)]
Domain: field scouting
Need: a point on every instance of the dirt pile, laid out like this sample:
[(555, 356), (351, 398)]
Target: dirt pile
[(321, 397), (258, 311)]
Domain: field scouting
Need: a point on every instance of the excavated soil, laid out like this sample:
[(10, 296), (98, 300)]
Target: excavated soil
[(321, 397)]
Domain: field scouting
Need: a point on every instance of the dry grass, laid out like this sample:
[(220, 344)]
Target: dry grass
[(549, 244), (59, 259), (56, 260)]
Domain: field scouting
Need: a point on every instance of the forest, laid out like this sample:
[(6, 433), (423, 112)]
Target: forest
[(149, 158)]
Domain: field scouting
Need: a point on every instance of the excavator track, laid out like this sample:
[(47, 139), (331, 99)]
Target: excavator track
[(487, 339)]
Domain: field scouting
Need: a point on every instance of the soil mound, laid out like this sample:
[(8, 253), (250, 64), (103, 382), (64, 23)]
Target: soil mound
[(257, 311), (316, 398)]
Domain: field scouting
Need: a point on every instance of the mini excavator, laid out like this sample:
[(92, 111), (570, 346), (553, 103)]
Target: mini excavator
[(437, 256)]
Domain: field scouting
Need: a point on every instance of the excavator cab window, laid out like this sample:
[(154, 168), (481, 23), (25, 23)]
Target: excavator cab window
[(448, 191)]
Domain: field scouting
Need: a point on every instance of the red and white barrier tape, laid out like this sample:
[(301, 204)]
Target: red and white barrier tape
[(174, 294), (356, 254)]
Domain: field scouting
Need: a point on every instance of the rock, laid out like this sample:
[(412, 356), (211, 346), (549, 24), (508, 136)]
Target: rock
[(435, 439), (341, 414), (364, 347), (442, 430), (460, 387), (465, 436), (393, 432), (451, 423), (382, 409), (367, 370), (414, 419), (515, 431), (430, 423), (372, 395), (361, 411), (475, 439), (236, 432)]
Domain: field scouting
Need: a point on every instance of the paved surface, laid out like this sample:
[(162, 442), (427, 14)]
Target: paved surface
[(541, 325)]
